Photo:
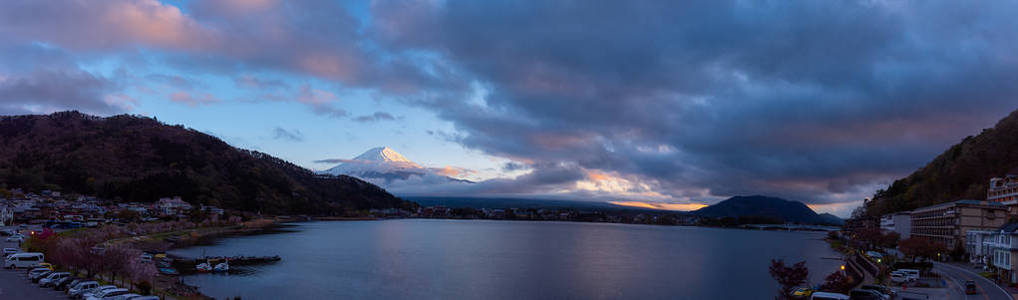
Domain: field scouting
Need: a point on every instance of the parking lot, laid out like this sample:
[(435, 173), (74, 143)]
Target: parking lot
[(14, 284)]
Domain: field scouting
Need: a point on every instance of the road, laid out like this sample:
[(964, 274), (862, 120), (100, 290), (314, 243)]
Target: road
[(956, 277), (14, 284)]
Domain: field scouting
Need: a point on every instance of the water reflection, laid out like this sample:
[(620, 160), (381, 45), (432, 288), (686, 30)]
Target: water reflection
[(447, 259)]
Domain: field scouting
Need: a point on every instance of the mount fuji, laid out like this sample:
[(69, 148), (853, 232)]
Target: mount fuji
[(383, 166)]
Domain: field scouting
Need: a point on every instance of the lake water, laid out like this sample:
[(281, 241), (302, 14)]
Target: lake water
[(477, 259)]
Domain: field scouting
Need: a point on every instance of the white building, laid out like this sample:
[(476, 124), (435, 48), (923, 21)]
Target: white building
[(173, 205), (900, 222), (996, 248)]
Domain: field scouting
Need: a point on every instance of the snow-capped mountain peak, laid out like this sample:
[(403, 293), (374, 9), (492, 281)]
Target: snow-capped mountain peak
[(384, 166), (382, 154)]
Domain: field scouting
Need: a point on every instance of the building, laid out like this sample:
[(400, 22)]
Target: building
[(856, 224), (950, 222), (1004, 191), (900, 222), (171, 206), (998, 249), (6, 215)]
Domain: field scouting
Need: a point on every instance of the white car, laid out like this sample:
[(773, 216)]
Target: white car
[(107, 293), (16, 238), (51, 278), (87, 294), (81, 287), (9, 251), (123, 297)]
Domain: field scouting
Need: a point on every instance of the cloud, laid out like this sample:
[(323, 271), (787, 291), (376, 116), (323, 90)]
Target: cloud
[(103, 25), (812, 101), (377, 116), (661, 206), (287, 135), (43, 92), (252, 82), (320, 101), (193, 99), (697, 100)]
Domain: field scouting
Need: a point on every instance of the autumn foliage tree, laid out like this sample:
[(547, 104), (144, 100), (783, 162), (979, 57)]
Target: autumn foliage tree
[(921, 247), (788, 276), (837, 282)]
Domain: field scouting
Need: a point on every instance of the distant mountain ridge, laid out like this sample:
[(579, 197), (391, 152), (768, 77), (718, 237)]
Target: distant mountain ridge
[(133, 158), (769, 207), (961, 172)]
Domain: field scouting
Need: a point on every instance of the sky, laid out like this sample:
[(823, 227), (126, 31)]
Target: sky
[(668, 104)]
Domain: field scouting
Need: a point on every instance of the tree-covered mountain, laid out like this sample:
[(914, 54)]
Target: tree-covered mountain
[(961, 172), (132, 158), (767, 207)]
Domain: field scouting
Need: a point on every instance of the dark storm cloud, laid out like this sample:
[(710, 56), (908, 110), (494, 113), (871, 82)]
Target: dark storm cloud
[(811, 100)]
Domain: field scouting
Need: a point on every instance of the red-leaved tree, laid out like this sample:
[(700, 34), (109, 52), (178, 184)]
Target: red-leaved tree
[(788, 277)]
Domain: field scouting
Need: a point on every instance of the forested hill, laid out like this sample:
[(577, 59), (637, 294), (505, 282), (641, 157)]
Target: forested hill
[(961, 172), (131, 158)]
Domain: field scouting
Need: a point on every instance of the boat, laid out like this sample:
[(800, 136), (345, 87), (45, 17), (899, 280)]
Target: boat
[(203, 267), (222, 267)]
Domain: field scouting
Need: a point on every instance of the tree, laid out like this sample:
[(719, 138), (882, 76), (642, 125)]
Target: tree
[(921, 247), (788, 277), (890, 240), (837, 282)]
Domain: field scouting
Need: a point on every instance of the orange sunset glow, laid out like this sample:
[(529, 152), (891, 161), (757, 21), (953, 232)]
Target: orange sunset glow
[(661, 206)]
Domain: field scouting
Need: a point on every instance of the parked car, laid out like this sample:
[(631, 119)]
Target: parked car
[(859, 294), (16, 238), (40, 276), (123, 297), (107, 293), (970, 287), (44, 265), (913, 274), (37, 272), (87, 294), (81, 287), (901, 277), (880, 289), (64, 284), (71, 283), (23, 260), (828, 296), (802, 292), (9, 251), (52, 278)]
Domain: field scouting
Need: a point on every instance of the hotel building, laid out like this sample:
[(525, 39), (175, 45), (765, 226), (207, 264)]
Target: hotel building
[(950, 222), (1004, 191)]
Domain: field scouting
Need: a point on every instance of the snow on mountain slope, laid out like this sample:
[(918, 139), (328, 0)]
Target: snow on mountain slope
[(382, 154), (382, 166)]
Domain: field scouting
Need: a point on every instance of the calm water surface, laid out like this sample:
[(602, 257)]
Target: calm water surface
[(449, 259)]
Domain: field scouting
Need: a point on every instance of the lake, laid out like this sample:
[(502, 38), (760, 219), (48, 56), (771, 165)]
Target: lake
[(480, 259)]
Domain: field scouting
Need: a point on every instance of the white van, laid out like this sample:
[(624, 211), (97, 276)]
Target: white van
[(23, 260), (828, 296), (913, 274)]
